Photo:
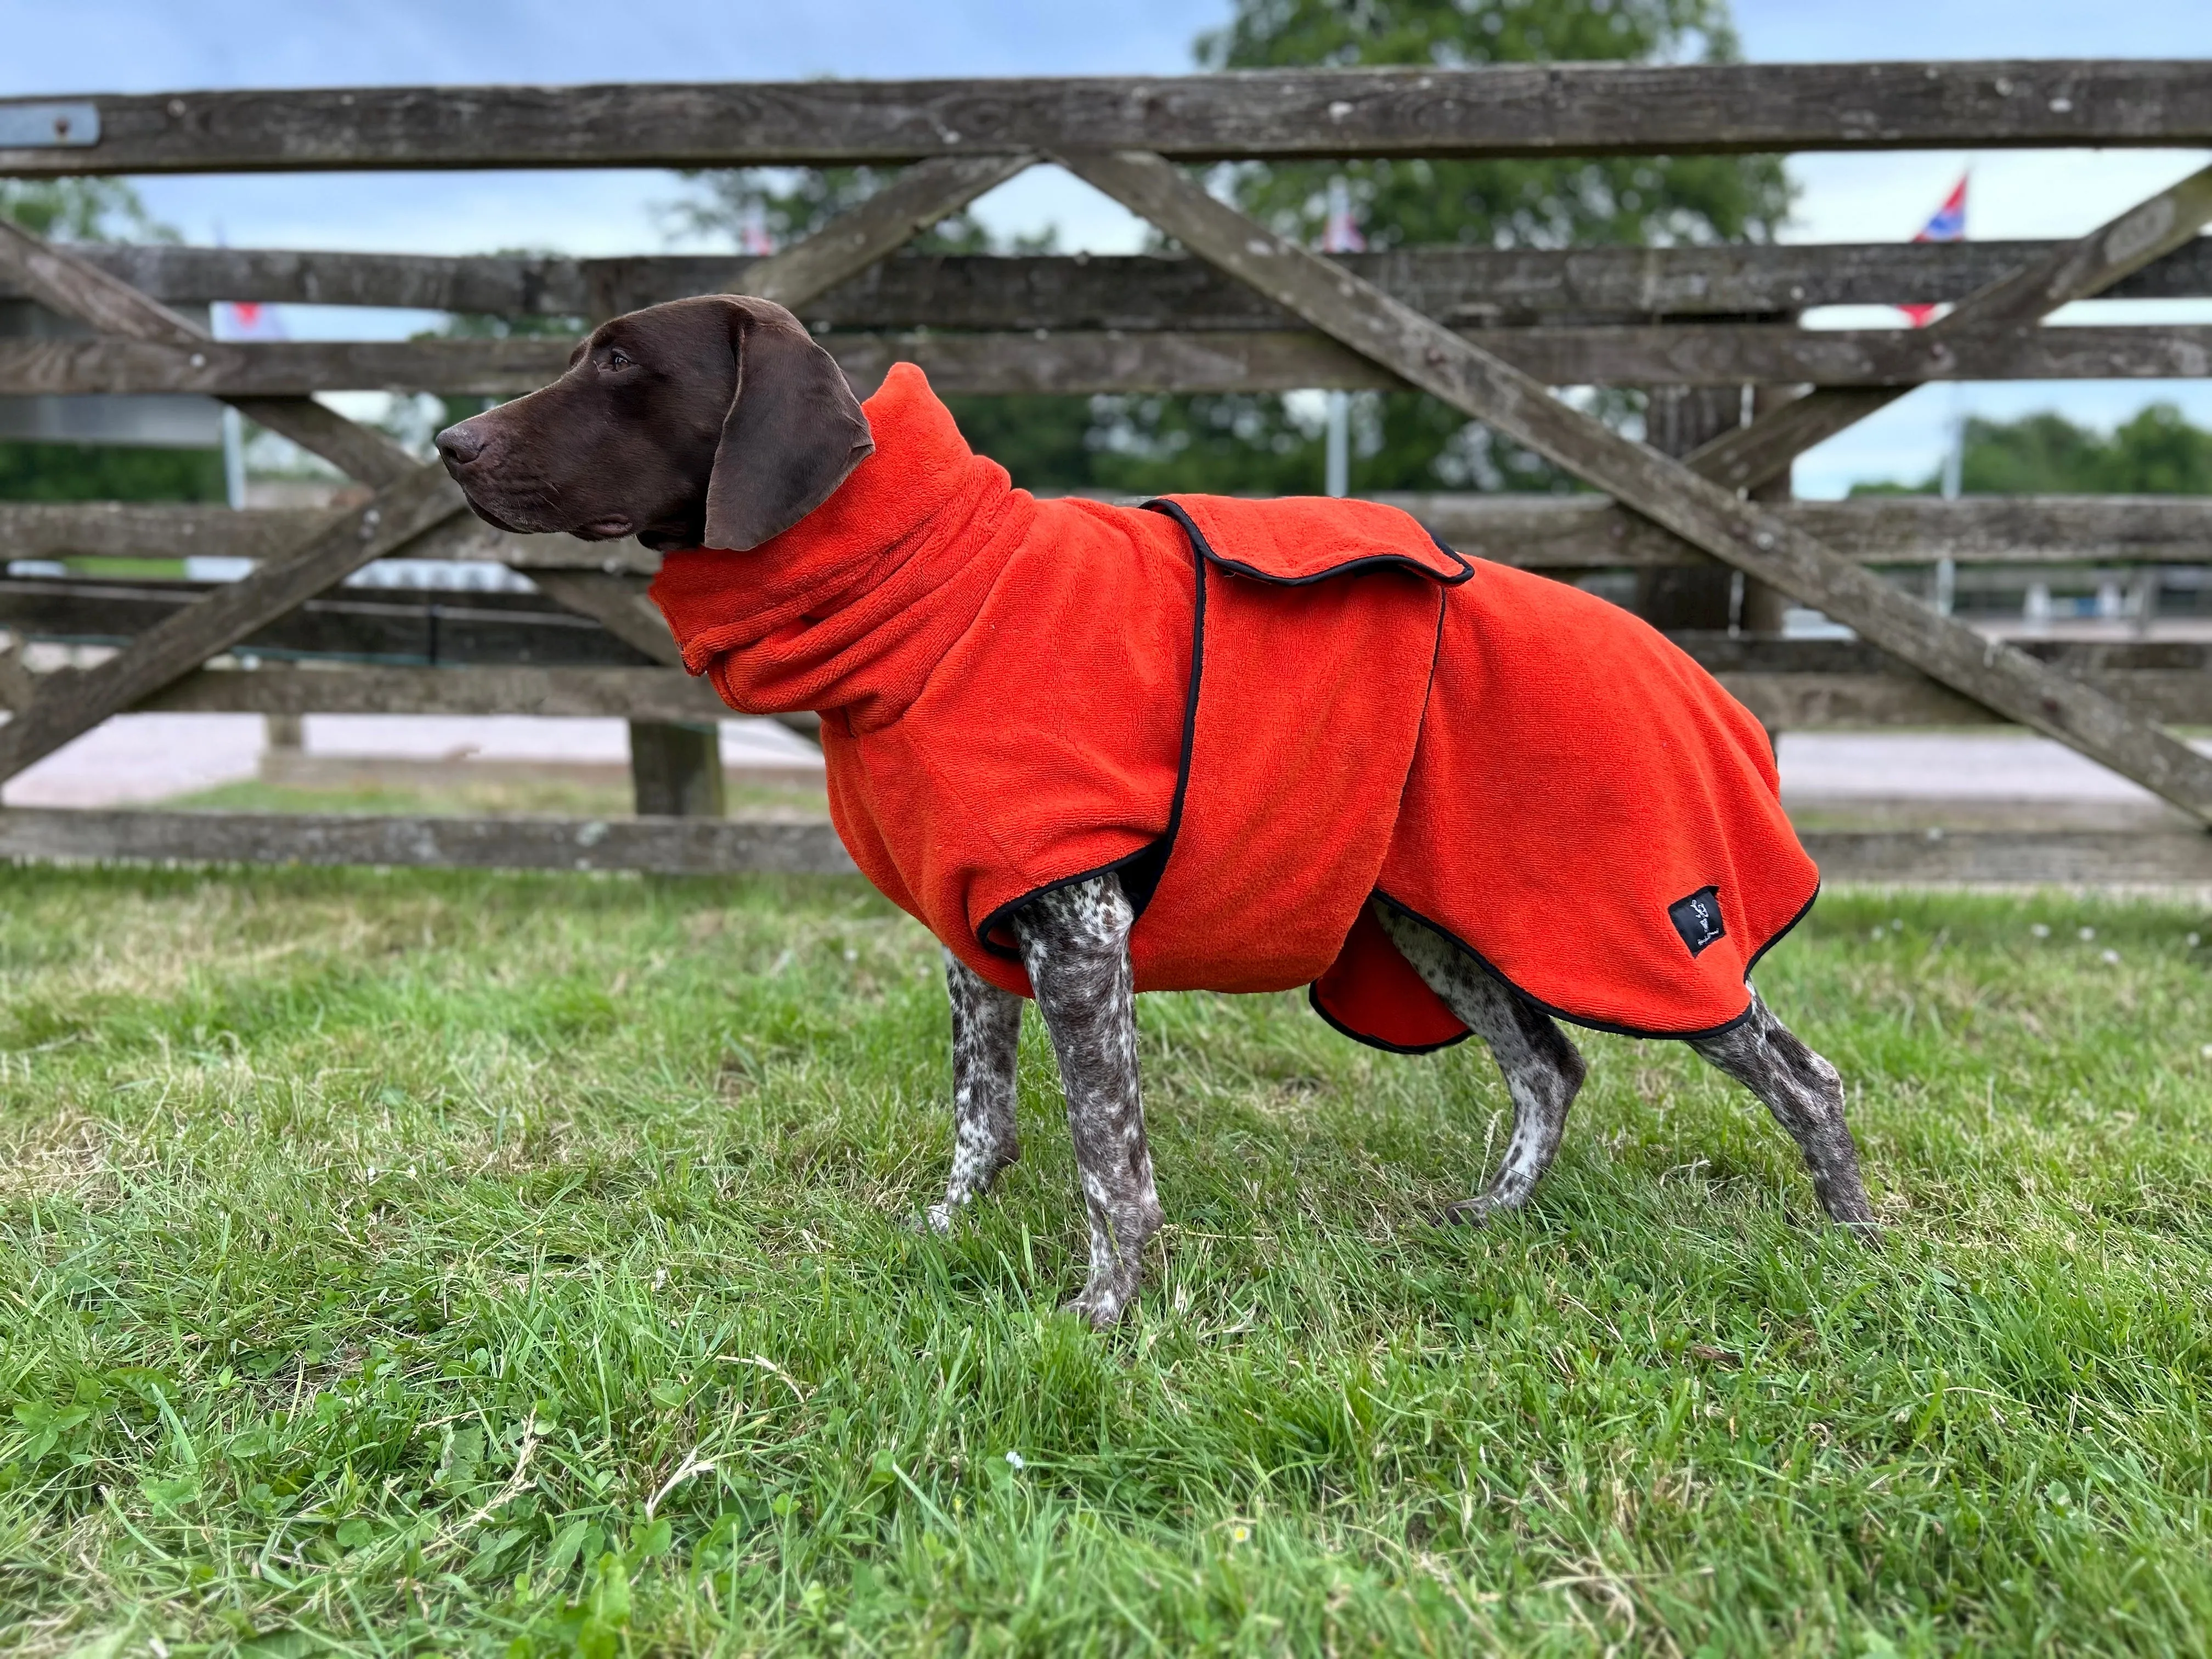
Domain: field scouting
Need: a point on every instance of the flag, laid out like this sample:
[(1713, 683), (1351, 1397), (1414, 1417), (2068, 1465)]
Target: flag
[(237, 320), (752, 232), (1340, 231), (1949, 224)]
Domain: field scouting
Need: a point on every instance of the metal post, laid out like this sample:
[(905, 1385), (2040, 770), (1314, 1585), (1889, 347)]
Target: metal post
[(1341, 235), (1337, 472)]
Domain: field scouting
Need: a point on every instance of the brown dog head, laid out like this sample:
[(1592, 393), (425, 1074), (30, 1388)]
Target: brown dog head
[(707, 423)]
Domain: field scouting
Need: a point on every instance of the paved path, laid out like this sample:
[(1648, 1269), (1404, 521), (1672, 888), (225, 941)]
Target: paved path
[(149, 757), (137, 758)]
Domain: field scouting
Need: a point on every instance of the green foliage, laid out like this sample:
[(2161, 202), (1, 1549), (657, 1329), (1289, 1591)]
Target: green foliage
[(1145, 445), (2157, 453), (80, 211), (1516, 204), (1407, 440), (96, 210), (107, 472), (439, 1261)]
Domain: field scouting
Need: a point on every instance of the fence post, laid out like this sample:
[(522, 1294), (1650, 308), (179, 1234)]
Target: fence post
[(1678, 419), (1764, 607), (676, 771)]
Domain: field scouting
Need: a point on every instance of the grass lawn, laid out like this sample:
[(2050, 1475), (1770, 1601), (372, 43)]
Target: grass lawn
[(437, 1262)]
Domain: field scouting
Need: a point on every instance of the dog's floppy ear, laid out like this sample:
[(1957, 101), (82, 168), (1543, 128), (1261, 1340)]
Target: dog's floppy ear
[(794, 431)]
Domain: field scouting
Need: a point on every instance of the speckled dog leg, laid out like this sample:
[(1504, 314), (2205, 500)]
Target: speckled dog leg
[(1542, 1069), (987, 1035), (1807, 1098), (1075, 943)]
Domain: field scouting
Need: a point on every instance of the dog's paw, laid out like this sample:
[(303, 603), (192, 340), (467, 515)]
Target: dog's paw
[(939, 1218), (1100, 1306), (1469, 1212)]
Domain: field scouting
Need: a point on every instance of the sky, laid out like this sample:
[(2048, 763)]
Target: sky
[(146, 46)]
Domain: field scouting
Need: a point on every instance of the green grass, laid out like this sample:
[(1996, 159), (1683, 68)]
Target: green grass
[(412, 1262)]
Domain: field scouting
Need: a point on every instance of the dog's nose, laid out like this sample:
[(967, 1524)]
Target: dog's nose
[(459, 445)]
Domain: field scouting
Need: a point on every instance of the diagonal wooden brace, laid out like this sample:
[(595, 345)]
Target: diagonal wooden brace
[(414, 499), (61, 281), (924, 195), (70, 703), (1741, 533), (1752, 454)]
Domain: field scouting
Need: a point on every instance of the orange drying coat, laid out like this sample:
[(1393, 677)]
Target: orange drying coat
[(1263, 716)]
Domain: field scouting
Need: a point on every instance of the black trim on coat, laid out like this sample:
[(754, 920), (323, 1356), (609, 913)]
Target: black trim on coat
[(1351, 567), (1140, 871), (1584, 1020), (1312, 1001)]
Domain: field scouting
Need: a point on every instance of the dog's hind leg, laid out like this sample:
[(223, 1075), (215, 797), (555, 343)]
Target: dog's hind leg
[(1075, 943), (987, 1035), (1542, 1069), (1806, 1096)]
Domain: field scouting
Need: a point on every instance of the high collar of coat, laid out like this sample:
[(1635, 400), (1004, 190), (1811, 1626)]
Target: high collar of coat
[(852, 607)]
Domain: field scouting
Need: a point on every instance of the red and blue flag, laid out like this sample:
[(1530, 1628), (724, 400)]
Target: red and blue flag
[(1949, 224)]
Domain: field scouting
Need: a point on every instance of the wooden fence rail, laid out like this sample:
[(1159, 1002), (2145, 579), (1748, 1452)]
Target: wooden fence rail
[(1710, 353), (396, 652), (1549, 532), (1462, 286), (1504, 109), (707, 846)]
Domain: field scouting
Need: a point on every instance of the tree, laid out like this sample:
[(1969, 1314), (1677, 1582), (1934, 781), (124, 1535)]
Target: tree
[(2157, 453), (1402, 441), (80, 210), (1407, 440), (96, 210)]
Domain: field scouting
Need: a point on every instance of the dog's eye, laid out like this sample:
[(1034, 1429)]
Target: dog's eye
[(617, 358)]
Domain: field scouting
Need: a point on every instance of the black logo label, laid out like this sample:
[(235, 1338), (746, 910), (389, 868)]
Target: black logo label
[(1697, 918)]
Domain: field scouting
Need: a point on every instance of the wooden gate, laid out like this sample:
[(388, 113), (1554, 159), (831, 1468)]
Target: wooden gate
[(1490, 332)]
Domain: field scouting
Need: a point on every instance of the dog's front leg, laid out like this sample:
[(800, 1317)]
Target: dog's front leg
[(1075, 943), (987, 1035)]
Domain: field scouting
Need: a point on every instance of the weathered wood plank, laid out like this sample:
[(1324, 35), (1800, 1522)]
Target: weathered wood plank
[(1770, 654), (290, 368), (1571, 532), (645, 694), (667, 846), (1709, 353), (1826, 702), (1855, 698), (617, 604), (501, 284), (1547, 109), (420, 500), (1752, 454), (393, 625), (1550, 533), (1809, 702), (65, 708), (1466, 286), (916, 200), (710, 846), (62, 282), (131, 530), (676, 771), (69, 285), (2013, 857), (1745, 534)]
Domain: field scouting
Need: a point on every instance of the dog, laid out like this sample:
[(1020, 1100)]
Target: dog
[(717, 431)]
